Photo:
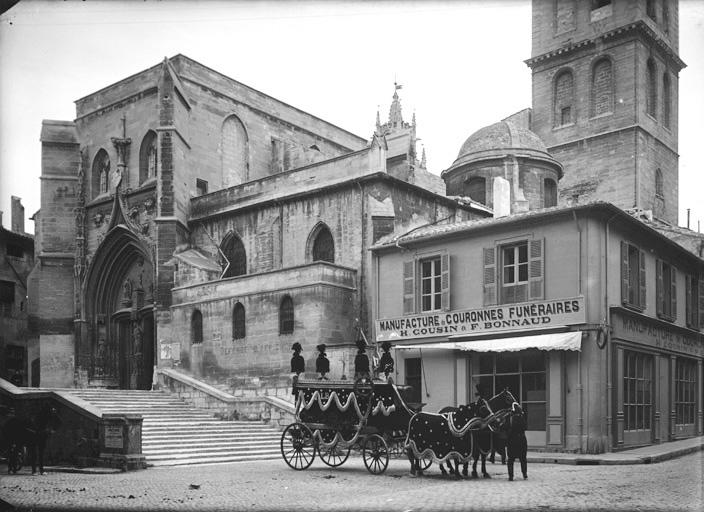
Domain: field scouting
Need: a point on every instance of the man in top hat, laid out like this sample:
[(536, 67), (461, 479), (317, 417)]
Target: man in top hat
[(322, 364), (361, 361), (517, 444), (386, 363), (298, 364)]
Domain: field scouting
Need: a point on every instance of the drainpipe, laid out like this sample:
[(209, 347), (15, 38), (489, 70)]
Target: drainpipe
[(580, 385), (609, 380)]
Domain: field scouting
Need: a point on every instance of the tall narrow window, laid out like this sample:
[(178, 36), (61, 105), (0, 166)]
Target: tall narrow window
[(475, 188), (602, 87), (685, 391), (201, 187), (666, 99), (549, 192), (430, 285), (659, 185), (147, 157), (323, 245), (666, 16), (692, 302), (235, 148), (286, 315), (666, 290), (632, 276), (564, 98), (238, 323), (235, 254), (196, 327), (637, 390), (651, 88), (650, 9), (514, 273), (101, 173)]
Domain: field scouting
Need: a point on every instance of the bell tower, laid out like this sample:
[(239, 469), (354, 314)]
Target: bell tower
[(605, 99)]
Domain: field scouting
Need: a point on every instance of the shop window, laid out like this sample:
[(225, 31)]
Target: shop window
[(286, 315), (323, 245), (524, 374), (238, 322), (413, 373), (549, 193), (694, 302), (685, 391), (233, 249), (637, 390), (666, 290), (426, 282), (197, 327), (520, 274), (632, 277)]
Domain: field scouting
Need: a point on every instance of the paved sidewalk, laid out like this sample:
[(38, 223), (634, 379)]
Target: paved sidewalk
[(645, 455)]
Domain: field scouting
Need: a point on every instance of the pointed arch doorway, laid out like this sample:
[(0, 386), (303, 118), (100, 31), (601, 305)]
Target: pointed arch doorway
[(119, 309)]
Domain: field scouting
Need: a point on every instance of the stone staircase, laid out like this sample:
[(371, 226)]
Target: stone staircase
[(174, 433)]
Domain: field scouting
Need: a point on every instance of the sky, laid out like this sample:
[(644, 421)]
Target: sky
[(461, 66)]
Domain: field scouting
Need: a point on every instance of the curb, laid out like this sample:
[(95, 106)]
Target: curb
[(615, 459)]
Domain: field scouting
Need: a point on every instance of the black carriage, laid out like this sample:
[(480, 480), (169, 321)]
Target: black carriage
[(334, 417)]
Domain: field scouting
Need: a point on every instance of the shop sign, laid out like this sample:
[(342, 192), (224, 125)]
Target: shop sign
[(508, 317), (652, 333), (113, 436)]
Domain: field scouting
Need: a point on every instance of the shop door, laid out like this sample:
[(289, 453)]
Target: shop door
[(637, 398)]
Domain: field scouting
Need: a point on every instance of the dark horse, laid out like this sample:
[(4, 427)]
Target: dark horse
[(32, 433), (450, 436)]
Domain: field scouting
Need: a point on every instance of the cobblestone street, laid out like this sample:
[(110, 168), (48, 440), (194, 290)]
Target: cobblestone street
[(270, 485)]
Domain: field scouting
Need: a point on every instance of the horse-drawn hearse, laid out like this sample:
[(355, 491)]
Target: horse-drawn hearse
[(335, 416)]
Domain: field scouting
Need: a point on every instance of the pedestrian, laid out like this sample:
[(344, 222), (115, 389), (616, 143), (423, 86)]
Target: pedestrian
[(517, 444), (322, 364), (386, 363), (361, 361)]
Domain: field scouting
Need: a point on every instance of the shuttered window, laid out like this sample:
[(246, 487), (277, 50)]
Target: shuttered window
[(633, 290), (666, 290), (521, 272), (426, 281), (694, 302)]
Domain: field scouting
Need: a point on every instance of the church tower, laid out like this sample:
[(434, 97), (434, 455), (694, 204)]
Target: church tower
[(605, 91)]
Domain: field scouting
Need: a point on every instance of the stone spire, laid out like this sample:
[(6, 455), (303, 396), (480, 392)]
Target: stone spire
[(423, 162), (395, 116)]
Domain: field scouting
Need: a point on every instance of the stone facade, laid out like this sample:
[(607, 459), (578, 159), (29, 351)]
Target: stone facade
[(617, 124), (164, 173)]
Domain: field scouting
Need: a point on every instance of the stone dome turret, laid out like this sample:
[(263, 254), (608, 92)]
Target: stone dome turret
[(499, 140)]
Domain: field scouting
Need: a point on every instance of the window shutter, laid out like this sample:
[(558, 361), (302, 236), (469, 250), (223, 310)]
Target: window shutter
[(445, 281), (659, 292), (699, 311), (688, 316), (625, 271), (642, 296), (536, 269), (673, 296), (409, 287), (489, 256)]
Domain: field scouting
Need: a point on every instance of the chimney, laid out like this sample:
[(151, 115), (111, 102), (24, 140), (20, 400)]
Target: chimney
[(17, 215)]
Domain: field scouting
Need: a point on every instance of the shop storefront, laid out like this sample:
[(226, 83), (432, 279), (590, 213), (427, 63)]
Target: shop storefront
[(658, 379)]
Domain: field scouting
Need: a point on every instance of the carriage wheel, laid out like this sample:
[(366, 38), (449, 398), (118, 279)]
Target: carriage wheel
[(375, 454), (334, 456), (297, 447)]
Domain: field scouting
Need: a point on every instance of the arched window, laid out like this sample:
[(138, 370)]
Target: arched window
[(666, 99), (100, 173), (651, 86), (196, 327), (147, 157), (475, 188), (659, 186), (286, 315), (602, 87), (549, 192), (323, 245), (564, 98), (233, 249), (235, 147), (238, 324), (666, 17)]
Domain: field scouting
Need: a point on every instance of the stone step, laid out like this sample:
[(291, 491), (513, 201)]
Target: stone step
[(214, 460), (231, 441), (202, 449), (208, 435)]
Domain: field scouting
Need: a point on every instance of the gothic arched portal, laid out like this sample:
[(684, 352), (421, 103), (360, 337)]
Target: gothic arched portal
[(119, 309)]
